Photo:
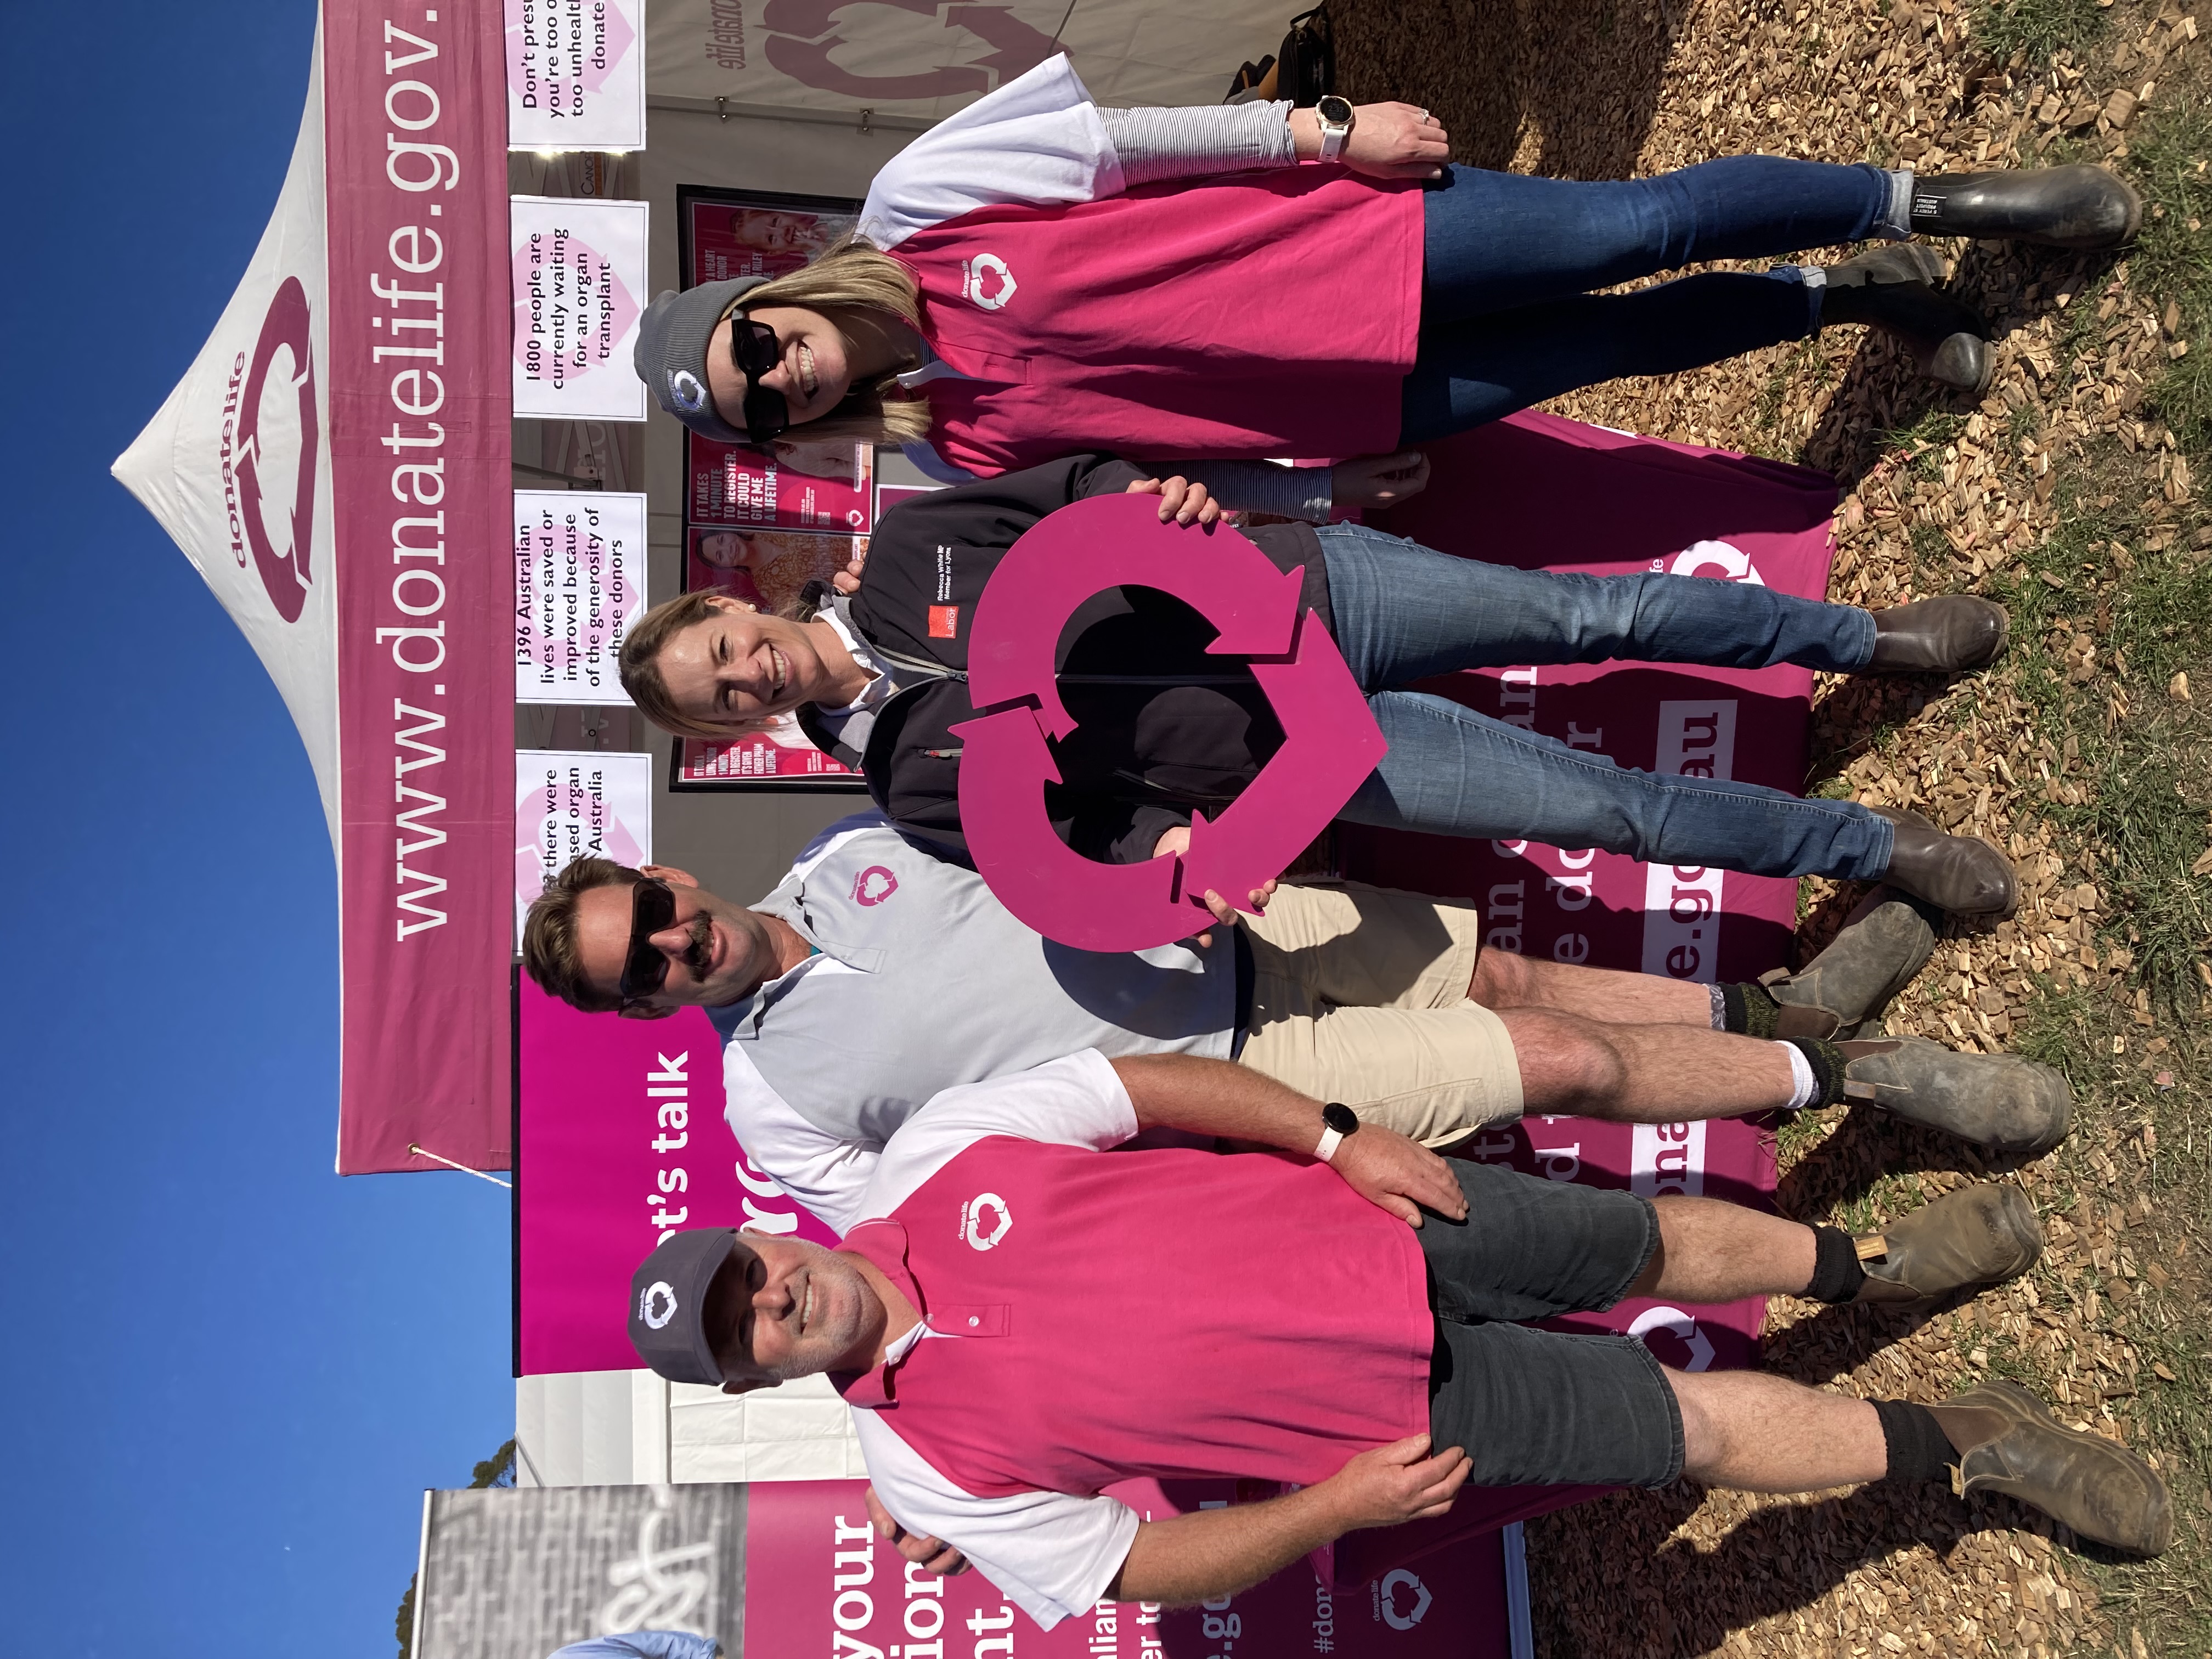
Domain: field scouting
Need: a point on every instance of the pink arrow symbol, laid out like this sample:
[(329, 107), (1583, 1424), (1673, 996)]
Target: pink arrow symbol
[(1047, 885), (1109, 541), (1330, 743)]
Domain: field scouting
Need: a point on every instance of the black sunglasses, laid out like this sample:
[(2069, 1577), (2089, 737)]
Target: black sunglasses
[(645, 969), (754, 351)]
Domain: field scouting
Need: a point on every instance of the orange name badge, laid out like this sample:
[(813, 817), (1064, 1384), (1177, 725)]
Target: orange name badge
[(944, 622)]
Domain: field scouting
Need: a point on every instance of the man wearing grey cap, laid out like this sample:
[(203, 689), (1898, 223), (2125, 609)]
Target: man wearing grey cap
[(1020, 1323)]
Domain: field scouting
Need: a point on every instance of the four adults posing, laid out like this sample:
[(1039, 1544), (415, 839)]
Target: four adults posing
[(1032, 294)]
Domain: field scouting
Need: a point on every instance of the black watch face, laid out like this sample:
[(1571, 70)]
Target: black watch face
[(1342, 1119), (1334, 110)]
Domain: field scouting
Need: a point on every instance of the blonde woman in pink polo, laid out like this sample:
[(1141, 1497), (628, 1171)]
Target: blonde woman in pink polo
[(1036, 276)]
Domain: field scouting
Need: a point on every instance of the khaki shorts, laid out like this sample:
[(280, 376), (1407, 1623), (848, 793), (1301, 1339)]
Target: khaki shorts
[(1359, 995)]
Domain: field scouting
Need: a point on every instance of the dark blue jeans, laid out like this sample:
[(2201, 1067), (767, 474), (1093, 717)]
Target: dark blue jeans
[(1405, 612), (1507, 319)]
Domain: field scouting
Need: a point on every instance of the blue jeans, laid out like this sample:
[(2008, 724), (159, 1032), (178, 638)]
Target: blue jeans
[(1405, 612), (1507, 319)]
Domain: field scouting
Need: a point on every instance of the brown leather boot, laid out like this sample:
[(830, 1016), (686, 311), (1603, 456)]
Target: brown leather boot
[(1841, 993), (1946, 635), (1972, 1238), (1961, 873), (2013, 1445), (1998, 1100)]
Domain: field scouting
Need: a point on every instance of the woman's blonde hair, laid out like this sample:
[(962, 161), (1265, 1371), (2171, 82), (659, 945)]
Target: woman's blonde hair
[(852, 276), (648, 637)]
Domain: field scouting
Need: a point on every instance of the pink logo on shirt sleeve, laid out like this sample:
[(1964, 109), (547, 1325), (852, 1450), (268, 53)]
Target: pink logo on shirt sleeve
[(873, 885)]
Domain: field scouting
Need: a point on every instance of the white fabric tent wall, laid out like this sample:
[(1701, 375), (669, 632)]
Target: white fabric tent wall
[(869, 54), (622, 1428)]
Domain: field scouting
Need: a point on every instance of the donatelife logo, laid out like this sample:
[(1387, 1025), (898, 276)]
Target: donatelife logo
[(972, 275), (658, 1305), (1387, 1599), (873, 885), (971, 1220), (278, 436)]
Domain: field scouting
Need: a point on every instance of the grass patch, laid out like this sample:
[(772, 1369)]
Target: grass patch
[(2130, 800), (2173, 258), (2039, 30)]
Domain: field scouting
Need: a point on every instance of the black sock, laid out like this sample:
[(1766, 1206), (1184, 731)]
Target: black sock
[(1828, 1063), (1837, 1272), (1917, 1446), (1748, 1009)]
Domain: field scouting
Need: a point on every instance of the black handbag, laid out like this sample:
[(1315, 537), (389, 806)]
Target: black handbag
[(1305, 63), (1304, 70)]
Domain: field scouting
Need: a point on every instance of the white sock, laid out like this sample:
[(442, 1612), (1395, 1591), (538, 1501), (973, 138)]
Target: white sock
[(1804, 1087)]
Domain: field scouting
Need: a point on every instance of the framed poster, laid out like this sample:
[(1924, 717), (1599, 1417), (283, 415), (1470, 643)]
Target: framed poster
[(800, 487), (768, 568), (721, 234), (779, 757)]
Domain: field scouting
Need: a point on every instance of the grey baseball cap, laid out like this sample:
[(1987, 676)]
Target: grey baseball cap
[(671, 356), (668, 1304)]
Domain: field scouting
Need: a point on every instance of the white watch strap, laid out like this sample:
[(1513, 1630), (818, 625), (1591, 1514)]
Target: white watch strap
[(1333, 141), (1330, 1140)]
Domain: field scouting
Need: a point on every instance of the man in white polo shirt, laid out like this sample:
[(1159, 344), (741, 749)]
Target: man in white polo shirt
[(878, 973), (1019, 1323)]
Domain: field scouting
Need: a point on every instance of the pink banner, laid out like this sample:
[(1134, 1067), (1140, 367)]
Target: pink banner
[(623, 1132), (816, 1579), (417, 170), (1540, 492)]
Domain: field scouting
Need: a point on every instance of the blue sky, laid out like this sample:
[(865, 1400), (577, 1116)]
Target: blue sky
[(229, 1373)]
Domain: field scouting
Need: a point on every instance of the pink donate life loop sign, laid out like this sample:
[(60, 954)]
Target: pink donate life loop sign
[(1330, 740)]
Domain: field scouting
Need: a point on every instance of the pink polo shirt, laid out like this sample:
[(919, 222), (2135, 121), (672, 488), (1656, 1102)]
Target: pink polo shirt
[(1090, 1320), (1249, 315)]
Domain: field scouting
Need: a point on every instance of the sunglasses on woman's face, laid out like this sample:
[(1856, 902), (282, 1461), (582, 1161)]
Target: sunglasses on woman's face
[(645, 969), (754, 351)]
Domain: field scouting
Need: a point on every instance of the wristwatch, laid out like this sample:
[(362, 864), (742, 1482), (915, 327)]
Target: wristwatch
[(1334, 114), (1338, 1121)]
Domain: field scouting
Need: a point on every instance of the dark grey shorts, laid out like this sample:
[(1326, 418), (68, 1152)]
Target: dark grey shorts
[(1542, 1408)]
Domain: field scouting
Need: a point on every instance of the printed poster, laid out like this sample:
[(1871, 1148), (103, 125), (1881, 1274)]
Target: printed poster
[(768, 568), (574, 804), (575, 74), (579, 584), (800, 487), (779, 757), (755, 233), (580, 288)]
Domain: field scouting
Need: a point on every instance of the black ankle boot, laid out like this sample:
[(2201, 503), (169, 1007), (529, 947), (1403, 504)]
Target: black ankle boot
[(1893, 288), (2077, 206)]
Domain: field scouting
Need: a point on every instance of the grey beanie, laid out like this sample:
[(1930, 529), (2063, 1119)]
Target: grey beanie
[(672, 353)]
